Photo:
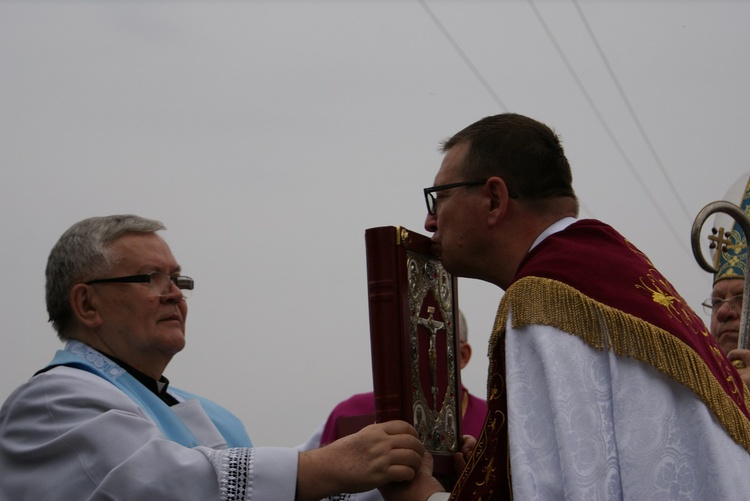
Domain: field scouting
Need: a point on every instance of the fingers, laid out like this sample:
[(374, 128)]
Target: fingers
[(468, 445), (459, 462), (461, 458), (426, 465), (376, 455), (739, 354), (403, 471), (409, 442), (741, 360), (392, 435), (404, 457), (397, 427), (388, 451), (421, 487)]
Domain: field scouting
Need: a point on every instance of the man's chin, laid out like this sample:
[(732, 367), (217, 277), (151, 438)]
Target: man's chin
[(450, 266), (174, 342), (728, 343)]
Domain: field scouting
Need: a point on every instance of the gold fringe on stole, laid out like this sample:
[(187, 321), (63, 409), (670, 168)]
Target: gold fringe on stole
[(542, 301)]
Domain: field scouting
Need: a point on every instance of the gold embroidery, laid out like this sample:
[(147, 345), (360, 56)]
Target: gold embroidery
[(664, 294), (657, 295)]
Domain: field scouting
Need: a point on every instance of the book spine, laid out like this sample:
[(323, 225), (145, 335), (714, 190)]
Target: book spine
[(385, 322)]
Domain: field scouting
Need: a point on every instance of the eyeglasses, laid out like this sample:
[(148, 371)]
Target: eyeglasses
[(712, 305), (429, 196), (159, 284)]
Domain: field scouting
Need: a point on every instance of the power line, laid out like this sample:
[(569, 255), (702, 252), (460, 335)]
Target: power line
[(476, 71), (631, 110), (463, 56), (585, 93), (606, 127)]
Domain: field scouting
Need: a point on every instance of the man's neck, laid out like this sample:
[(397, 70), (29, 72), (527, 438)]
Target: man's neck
[(158, 387), (154, 369)]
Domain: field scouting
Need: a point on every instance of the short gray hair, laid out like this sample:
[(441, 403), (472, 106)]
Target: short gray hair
[(81, 253), (463, 329)]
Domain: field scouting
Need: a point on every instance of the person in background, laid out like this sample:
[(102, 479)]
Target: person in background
[(730, 258), (102, 422), (360, 409), (603, 383)]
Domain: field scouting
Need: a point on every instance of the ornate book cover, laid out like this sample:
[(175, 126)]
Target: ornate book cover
[(414, 338)]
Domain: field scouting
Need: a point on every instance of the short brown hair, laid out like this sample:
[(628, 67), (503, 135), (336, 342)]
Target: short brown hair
[(525, 153)]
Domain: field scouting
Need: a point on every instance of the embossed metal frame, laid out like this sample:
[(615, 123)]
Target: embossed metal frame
[(437, 428)]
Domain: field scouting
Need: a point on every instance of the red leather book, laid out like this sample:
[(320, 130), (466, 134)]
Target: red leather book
[(414, 339)]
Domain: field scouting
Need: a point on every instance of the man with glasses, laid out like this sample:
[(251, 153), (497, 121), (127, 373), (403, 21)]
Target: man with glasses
[(725, 304), (603, 383), (102, 422)]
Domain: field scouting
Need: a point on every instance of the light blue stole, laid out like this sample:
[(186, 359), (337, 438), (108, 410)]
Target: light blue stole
[(82, 356)]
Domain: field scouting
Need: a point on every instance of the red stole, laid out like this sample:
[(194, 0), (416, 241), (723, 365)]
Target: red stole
[(594, 269)]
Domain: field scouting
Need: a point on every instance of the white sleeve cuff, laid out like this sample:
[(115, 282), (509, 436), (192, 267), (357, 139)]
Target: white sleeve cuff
[(439, 496), (274, 473)]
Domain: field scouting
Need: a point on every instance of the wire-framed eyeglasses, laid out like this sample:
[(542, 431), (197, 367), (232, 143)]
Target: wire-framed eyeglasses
[(159, 284), (429, 196), (712, 304)]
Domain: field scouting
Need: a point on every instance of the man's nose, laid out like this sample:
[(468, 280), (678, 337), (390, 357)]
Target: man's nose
[(430, 223), (173, 295), (727, 310)]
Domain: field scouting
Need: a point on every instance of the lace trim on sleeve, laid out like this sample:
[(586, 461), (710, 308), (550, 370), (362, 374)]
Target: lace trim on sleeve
[(234, 470)]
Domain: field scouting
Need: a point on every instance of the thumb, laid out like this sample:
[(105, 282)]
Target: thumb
[(427, 464), (459, 462)]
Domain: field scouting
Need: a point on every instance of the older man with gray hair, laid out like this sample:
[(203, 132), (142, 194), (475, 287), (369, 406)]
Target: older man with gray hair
[(102, 422)]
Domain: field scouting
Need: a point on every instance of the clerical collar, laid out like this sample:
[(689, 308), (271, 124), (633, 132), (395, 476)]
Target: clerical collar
[(159, 388), (552, 229)]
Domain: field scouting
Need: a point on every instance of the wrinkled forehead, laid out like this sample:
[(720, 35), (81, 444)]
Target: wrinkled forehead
[(136, 250), (728, 287)]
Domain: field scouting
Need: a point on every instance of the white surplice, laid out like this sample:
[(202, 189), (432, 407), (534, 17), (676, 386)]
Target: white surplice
[(625, 430), (68, 435)]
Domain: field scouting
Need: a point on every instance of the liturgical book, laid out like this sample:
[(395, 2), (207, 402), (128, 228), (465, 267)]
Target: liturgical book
[(414, 339)]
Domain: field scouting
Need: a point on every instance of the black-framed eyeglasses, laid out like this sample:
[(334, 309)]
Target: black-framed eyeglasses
[(159, 284), (712, 304), (429, 196)]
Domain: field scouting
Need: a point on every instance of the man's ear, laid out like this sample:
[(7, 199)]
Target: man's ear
[(498, 200), (83, 301), (464, 350)]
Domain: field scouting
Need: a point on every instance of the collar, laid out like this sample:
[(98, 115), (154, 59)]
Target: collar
[(157, 387), (552, 229)]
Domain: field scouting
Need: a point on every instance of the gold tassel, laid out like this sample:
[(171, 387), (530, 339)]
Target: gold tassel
[(542, 301)]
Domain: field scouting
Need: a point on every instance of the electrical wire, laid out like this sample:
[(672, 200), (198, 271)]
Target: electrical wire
[(607, 129), (631, 110), (464, 56)]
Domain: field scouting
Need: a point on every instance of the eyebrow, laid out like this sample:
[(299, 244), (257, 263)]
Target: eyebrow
[(150, 268)]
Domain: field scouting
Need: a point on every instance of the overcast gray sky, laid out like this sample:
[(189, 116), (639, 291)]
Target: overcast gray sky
[(268, 135)]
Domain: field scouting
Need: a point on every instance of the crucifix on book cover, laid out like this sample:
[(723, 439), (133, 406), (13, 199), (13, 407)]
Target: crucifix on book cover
[(414, 340)]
